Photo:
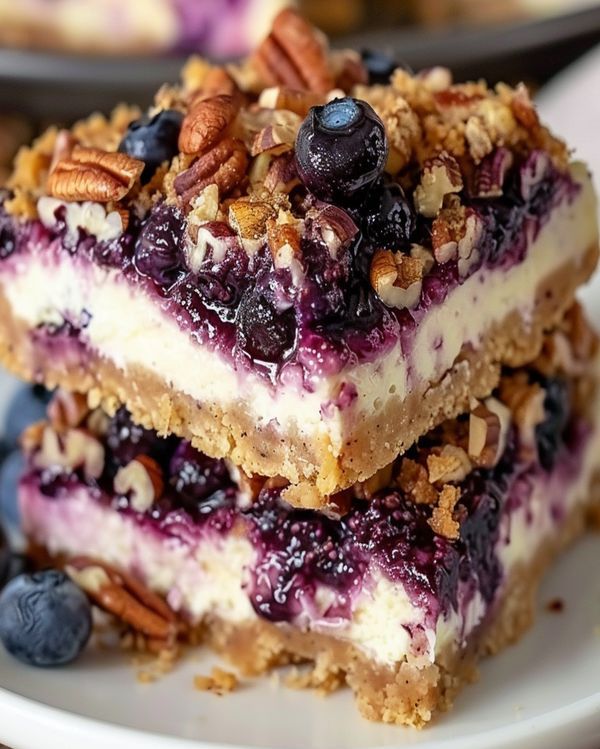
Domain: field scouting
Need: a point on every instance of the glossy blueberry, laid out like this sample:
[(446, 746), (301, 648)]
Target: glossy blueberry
[(263, 332), (549, 434), (341, 149), (379, 66), (26, 407), (45, 619), (153, 140), (390, 219), (11, 471), (158, 250)]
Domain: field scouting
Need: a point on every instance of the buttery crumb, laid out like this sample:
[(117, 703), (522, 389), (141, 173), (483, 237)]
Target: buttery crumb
[(219, 682), (442, 519), (145, 677)]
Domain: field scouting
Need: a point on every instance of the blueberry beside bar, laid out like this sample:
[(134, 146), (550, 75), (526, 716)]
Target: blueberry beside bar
[(430, 566), (290, 267)]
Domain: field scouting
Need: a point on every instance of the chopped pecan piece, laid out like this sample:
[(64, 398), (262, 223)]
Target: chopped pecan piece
[(206, 123), (126, 598), (95, 175), (526, 402), (280, 97), (224, 165), (397, 278), (441, 176), (294, 55), (488, 429), (67, 409), (249, 220), (75, 448), (142, 479), (278, 136)]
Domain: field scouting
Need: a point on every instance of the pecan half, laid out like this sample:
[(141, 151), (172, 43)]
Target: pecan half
[(95, 175), (142, 479), (293, 55), (397, 278), (126, 598), (224, 165), (206, 122), (218, 81)]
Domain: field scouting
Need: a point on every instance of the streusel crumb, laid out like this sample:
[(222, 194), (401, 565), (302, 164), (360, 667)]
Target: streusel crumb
[(219, 682)]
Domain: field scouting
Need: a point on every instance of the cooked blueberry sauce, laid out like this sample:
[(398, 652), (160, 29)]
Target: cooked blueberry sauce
[(257, 315), (299, 550)]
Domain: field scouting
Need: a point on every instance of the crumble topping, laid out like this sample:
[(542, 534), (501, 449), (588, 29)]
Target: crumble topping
[(237, 131)]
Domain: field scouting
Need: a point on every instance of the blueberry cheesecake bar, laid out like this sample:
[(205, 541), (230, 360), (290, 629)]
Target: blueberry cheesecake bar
[(291, 264), (430, 564)]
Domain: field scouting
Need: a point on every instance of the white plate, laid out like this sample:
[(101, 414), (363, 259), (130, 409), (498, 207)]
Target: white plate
[(541, 694)]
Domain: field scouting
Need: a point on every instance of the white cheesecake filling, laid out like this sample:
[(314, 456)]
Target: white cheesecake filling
[(129, 327), (208, 575)]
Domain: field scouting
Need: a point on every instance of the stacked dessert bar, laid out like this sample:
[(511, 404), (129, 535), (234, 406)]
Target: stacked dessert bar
[(326, 393)]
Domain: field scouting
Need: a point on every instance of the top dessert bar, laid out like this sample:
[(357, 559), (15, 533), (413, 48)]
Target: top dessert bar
[(292, 262)]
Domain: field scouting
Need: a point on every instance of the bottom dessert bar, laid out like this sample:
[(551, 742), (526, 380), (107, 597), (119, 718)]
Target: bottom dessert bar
[(432, 563)]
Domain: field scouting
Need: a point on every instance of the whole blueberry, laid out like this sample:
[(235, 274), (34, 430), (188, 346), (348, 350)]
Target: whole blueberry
[(158, 250), (26, 407), (11, 471), (379, 66), (390, 220), (264, 332), (153, 140), (45, 619), (341, 149)]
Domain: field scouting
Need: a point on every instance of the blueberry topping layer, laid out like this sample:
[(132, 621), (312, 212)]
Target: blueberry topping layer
[(298, 550)]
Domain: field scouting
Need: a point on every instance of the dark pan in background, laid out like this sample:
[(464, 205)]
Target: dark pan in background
[(49, 86)]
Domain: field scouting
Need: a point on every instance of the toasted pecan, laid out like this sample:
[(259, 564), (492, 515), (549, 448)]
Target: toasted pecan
[(293, 55), (95, 175), (224, 165), (126, 598), (206, 123)]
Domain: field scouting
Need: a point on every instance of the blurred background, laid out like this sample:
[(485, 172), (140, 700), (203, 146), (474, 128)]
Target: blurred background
[(61, 59)]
